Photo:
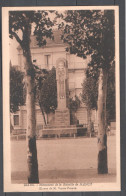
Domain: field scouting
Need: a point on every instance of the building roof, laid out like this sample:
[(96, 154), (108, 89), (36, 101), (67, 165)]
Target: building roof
[(49, 42)]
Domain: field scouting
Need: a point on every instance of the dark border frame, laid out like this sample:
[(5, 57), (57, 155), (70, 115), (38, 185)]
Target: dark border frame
[(121, 4)]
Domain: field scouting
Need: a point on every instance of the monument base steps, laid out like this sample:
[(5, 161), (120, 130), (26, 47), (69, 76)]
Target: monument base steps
[(59, 131)]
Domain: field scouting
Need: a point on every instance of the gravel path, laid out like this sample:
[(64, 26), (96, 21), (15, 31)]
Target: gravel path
[(63, 159)]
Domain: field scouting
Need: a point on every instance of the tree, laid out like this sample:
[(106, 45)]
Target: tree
[(91, 32), (20, 28), (40, 76), (49, 92), (73, 105), (17, 91), (46, 91), (89, 95), (17, 86)]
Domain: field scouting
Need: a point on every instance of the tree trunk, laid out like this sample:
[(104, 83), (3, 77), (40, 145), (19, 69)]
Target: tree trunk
[(102, 136), (42, 113), (31, 134), (30, 102), (89, 122), (31, 120)]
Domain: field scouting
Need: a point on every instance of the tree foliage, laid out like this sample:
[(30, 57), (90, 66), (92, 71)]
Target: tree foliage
[(22, 20), (74, 103), (17, 89), (90, 90), (91, 32), (46, 90)]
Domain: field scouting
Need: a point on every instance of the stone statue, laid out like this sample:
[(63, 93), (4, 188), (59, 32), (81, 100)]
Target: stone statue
[(61, 75)]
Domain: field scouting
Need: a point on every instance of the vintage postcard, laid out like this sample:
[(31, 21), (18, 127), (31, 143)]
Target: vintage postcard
[(61, 99)]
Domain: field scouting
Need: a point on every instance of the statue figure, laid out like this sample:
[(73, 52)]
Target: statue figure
[(61, 76)]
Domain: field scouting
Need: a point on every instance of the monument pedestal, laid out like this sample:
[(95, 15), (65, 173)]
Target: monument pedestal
[(62, 117), (61, 126)]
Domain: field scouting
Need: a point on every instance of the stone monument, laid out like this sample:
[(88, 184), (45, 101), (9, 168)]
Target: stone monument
[(62, 115), (61, 124)]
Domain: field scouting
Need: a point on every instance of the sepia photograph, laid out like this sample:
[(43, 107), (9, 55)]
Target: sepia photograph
[(61, 98)]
